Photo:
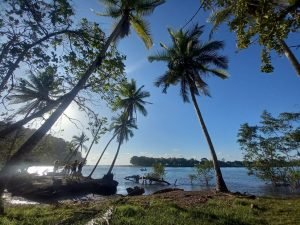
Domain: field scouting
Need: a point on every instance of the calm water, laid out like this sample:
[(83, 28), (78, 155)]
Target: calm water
[(236, 179)]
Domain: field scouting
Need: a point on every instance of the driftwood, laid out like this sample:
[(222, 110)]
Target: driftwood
[(150, 179), (167, 190), (134, 178), (135, 191), (47, 187)]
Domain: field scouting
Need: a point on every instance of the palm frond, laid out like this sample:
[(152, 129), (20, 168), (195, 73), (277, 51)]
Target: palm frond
[(112, 11), (147, 7), (212, 46), (184, 90), (220, 73), (141, 27), (219, 17), (159, 56), (109, 2)]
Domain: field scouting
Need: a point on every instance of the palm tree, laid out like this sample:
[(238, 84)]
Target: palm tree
[(78, 141), (78, 144), (122, 127), (37, 92), (189, 60), (227, 10), (130, 100), (40, 93), (128, 13)]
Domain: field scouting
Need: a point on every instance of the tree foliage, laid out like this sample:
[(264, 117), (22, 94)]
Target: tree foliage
[(52, 55), (158, 170), (271, 149), (268, 22), (204, 171)]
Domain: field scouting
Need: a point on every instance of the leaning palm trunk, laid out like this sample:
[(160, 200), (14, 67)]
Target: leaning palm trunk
[(220, 183), (97, 163), (8, 169), (94, 139), (115, 158), (291, 57)]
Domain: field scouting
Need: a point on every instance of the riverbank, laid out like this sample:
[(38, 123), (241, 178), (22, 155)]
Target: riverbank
[(180, 207)]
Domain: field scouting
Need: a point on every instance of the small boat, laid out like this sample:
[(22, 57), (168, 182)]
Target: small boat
[(143, 169)]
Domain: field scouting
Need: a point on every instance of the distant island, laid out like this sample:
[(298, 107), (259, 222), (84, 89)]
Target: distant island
[(178, 162)]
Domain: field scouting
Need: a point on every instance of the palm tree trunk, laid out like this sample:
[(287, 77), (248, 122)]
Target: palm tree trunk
[(89, 176), (291, 57), (94, 139), (115, 158), (9, 167), (220, 183)]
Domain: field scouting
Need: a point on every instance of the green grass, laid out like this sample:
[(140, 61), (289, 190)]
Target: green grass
[(155, 211), (48, 214)]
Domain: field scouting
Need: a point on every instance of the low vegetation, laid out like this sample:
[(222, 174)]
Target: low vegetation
[(169, 208)]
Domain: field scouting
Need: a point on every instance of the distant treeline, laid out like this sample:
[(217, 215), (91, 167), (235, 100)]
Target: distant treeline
[(177, 162)]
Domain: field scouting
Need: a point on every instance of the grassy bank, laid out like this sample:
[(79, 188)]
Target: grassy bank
[(185, 208)]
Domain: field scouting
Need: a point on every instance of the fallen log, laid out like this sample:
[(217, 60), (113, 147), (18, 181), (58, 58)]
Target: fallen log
[(167, 190), (135, 191), (134, 177), (151, 179), (47, 187)]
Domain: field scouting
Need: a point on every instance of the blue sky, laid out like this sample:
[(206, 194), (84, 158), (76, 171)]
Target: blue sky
[(171, 128)]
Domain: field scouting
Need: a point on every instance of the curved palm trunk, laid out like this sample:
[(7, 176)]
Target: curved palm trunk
[(9, 167), (114, 161), (91, 145), (220, 183), (291, 57), (89, 176), (17, 125)]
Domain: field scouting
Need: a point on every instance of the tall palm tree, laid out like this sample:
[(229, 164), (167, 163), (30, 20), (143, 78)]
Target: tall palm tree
[(254, 11), (130, 100), (128, 13), (189, 61), (122, 127)]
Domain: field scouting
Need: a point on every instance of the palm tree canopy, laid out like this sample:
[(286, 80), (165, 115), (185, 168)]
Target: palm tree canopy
[(38, 91), (189, 60), (131, 99), (79, 141), (122, 127), (132, 12)]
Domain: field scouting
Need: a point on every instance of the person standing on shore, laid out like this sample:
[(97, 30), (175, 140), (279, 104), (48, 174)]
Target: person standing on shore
[(55, 167), (74, 167), (80, 165)]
